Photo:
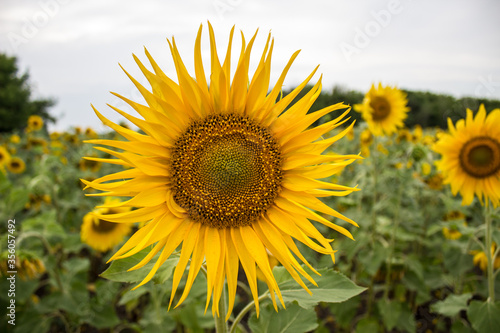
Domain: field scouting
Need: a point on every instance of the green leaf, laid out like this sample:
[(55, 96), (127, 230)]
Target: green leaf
[(390, 312), (132, 295), (484, 316), (415, 265), (452, 305), (194, 318), (367, 325), (294, 319), (117, 271), (396, 314), (375, 258), (345, 312), (333, 287), (157, 320), (17, 199)]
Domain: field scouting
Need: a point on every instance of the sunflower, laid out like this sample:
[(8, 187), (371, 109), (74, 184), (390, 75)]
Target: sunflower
[(470, 159), (4, 158), (16, 165), (89, 164), (481, 260), (35, 123), (384, 109), (27, 268), (226, 170), (15, 139), (100, 234)]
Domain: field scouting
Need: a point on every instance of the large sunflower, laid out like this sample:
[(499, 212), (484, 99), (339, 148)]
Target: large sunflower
[(226, 170), (384, 109), (471, 156)]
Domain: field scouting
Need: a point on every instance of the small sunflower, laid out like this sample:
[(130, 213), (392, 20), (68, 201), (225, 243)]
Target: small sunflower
[(27, 266), (4, 156), (481, 260), (89, 164), (35, 123), (15, 139), (470, 159), (100, 234), (16, 165), (226, 170), (384, 109)]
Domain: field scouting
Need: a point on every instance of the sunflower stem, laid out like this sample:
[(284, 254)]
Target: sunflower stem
[(393, 237), (374, 158), (220, 320), (491, 278), (245, 310)]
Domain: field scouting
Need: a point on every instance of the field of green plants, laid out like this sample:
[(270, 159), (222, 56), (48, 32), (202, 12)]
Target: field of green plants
[(417, 264)]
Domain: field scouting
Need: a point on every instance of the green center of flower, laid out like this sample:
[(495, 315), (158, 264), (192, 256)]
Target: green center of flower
[(226, 171), (381, 108), (480, 157)]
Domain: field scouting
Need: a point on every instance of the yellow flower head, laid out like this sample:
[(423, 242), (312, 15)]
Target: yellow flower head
[(16, 165), (426, 169), (226, 170), (90, 163), (4, 156), (435, 182), (452, 232), (470, 159), (102, 235), (384, 109), (27, 266), (366, 137), (417, 133), (481, 260), (90, 133), (55, 135), (35, 123), (14, 138)]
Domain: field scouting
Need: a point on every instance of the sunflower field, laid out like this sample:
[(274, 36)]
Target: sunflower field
[(334, 226)]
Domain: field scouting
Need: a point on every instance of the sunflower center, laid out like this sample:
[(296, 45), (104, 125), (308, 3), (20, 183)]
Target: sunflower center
[(103, 227), (381, 108), (480, 157), (226, 171)]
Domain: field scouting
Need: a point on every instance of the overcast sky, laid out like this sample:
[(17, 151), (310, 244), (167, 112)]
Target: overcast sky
[(72, 48)]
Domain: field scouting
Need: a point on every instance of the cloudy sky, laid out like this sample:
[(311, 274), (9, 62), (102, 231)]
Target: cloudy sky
[(72, 48)]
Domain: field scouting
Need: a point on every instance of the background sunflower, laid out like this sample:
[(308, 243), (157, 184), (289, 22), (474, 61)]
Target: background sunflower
[(470, 156), (100, 234), (384, 109)]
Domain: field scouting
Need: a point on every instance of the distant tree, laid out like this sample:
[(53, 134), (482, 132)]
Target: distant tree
[(16, 103)]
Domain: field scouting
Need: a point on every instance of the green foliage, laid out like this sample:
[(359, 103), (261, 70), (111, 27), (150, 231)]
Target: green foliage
[(16, 103), (332, 287), (484, 316), (294, 319)]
